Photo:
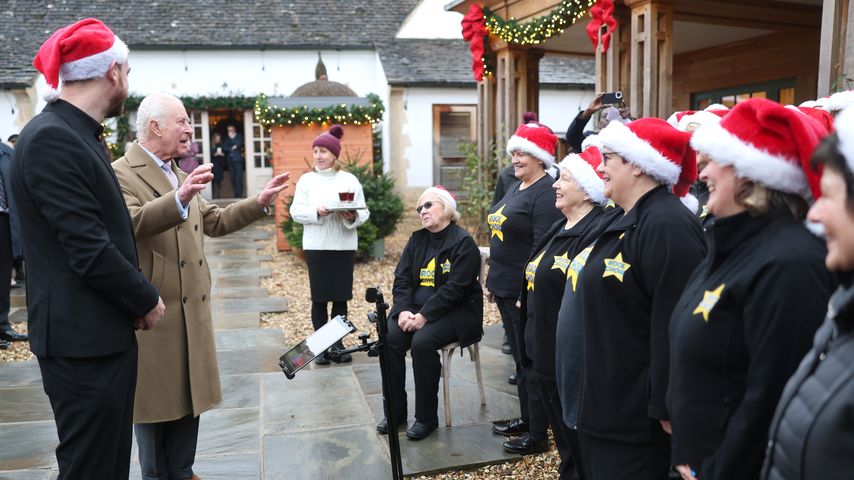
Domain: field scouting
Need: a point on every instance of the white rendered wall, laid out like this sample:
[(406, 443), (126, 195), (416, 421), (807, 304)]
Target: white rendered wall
[(418, 131), (559, 107), (8, 112)]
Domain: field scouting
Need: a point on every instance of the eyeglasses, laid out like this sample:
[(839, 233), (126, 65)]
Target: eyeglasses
[(607, 156), (427, 205)]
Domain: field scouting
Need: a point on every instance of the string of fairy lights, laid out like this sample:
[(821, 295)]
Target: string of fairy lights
[(342, 114), (539, 29)]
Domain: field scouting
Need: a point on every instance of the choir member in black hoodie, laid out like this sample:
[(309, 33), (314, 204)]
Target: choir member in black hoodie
[(625, 294), (517, 223), (812, 436), (746, 316), (580, 197)]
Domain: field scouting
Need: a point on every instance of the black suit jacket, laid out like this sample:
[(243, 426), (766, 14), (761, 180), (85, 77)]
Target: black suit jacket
[(84, 284)]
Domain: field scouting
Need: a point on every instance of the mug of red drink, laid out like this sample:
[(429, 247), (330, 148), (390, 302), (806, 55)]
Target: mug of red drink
[(346, 196)]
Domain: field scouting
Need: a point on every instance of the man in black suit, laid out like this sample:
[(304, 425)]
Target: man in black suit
[(86, 291), (9, 242)]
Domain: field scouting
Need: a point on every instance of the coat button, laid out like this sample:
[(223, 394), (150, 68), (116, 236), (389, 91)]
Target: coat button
[(822, 356), (184, 300), (197, 228), (200, 262), (183, 263)]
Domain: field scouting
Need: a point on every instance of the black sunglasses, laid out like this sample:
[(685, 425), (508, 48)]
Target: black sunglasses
[(427, 205)]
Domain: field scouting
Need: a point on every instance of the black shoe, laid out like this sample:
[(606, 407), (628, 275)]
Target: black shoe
[(13, 336), (512, 379), (505, 345), (382, 427), (321, 359), (503, 423), (344, 357), (512, 428), (420, 430), (525, 446), (4, 345)]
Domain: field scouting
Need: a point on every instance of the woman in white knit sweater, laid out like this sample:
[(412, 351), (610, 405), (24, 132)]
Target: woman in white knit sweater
[(329, 237)]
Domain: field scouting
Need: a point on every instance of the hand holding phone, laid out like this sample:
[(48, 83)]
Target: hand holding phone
[(612, 98)]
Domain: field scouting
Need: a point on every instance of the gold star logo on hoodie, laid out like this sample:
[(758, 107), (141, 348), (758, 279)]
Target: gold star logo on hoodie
[(710, 299), (495, 221)]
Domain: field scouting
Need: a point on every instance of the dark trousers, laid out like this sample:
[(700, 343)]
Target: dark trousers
[(605, 459), (167, 450), (5, 271), (320, 312), (426, 365), (92, 402), (566, 439), (235, 170), (531, 406)]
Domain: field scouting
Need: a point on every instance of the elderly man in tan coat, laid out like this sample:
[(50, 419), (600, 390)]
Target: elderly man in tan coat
[(178, 376)]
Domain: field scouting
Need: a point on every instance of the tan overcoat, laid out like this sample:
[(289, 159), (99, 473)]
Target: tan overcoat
[(178, 372)]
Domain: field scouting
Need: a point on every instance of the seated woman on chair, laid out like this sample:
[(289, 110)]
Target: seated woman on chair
[(437, 300)]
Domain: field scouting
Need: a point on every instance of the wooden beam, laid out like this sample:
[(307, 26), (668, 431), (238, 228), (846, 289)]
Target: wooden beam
[(832, 52), (764, 15)]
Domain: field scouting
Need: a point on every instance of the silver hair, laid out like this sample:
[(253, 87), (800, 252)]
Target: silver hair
[(153, 107), (449, 212)]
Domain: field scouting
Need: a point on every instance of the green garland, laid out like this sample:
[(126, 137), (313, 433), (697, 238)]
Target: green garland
[(202, 103), (342, 114), (539, 29)]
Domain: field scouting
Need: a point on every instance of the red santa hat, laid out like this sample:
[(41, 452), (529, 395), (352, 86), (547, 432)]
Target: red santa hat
[(823, 117), (766, 143), (698, 118), (660, 150), (535, 139), (80, 51), (444, 194), (583, 168)]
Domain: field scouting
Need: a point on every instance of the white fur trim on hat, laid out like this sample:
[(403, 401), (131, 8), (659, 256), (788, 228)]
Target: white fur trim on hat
[(809, 104), (520, 144), (620, 139), (779, 173), (94, 66), (591, 140), (839, 101), (586, 177), (845, 132), (702, 117), (716, 106), (443, 194), (690, 202)]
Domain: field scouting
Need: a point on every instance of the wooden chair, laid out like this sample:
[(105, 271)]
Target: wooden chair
[(474, 354)]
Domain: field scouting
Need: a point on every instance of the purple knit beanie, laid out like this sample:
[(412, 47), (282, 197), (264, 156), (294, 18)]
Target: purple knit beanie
[(330, 140)]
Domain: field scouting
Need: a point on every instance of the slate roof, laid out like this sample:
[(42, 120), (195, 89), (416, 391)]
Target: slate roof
[(279, 24), (419, 62), (291, 24)]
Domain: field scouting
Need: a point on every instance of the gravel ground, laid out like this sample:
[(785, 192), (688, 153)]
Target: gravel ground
[(19, 351)]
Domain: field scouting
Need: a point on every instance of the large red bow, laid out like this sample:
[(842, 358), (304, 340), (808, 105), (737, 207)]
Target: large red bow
[(603, 14), (474, 29)]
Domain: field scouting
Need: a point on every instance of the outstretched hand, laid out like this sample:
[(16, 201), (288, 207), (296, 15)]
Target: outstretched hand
[(195, 182), (270, 191), (595, 105)]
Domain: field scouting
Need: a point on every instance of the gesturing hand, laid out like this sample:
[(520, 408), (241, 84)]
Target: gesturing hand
[(268, 194), (194, 183)]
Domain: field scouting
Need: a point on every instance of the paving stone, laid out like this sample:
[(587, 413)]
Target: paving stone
[(20, 374), (237, 305), (226, 252), (256, 360), (314, 400), (225, 321), (18, 316), (228, 467), (243, 272), (351, 453), (447, 448), (240, 391), (43, 474), (249, 338), (24, 404), (237, 281), (28, 445), (229, 431), (216, 265), (244, 292)]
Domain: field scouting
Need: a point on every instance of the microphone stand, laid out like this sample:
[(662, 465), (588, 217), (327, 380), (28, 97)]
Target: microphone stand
[(379, 317)]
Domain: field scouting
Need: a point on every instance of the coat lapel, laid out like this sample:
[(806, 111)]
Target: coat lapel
[(145, 167)]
